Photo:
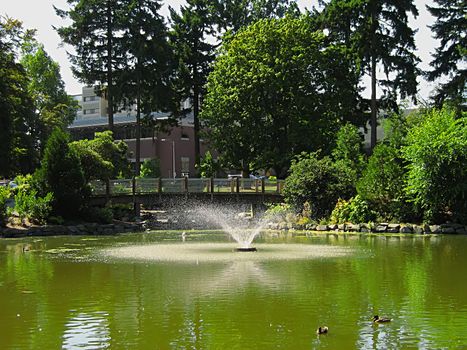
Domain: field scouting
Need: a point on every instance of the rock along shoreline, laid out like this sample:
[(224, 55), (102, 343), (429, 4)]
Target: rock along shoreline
[(86, 229)]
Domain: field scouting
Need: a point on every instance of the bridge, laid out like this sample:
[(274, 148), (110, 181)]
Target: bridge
[(160, 191)]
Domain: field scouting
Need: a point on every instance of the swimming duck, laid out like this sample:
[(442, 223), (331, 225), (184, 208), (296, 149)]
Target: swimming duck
[(322, 330), (378, 319)]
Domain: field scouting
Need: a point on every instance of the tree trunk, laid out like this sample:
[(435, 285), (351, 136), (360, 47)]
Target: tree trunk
[(196, 94), (374, 109), (110, 109), (138, 122)]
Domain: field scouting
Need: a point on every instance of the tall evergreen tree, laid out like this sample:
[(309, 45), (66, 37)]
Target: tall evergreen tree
[(235, 14), (450, 57), (191, 29), (378, 32), (94, 34), (147, 79)]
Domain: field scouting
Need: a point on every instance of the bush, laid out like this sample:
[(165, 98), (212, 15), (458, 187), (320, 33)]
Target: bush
[(349, 149), (320, 182), (436, 153), (383, 181), (278, 212), (150, 168), (28, 205), (99, 215), (4, 195), (355, 210), (61, 174)]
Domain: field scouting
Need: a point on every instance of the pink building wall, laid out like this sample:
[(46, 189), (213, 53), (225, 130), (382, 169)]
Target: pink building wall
[(170, 148)]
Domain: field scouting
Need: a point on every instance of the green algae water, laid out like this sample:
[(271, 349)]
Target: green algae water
[(160, 290)]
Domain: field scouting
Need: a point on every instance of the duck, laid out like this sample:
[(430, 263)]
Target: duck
[(378, 319), (322, 330)]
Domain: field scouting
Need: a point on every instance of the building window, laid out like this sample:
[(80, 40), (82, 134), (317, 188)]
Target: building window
[(90, 111), (185, 166), (185, 137), (89, 98)]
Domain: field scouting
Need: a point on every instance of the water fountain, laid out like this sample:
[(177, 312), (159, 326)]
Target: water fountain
[(239, 225)]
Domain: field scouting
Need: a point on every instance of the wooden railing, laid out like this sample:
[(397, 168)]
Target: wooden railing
[(185, 185)]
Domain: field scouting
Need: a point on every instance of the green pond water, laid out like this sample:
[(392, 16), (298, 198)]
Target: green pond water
[(155, 291)]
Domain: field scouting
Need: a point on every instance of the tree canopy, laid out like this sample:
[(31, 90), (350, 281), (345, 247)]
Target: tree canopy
[(17, 118), (272, 94), (449, 58), (377, 32)]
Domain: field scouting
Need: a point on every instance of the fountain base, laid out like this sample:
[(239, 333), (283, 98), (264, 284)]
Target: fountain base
[(247, 249)]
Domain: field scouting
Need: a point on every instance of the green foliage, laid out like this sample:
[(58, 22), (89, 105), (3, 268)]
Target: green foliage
[(355, 210), (349, 150), (232, 15), (383, 181), (4, 195), (209, 166), (18, 152), (319, 182), (150, 168), (54, 107), (436, 153), (100, 215), (377, 33), (272, 94), (28, 205), (102, 158), (449, 58), (278, 212), (61, 174)]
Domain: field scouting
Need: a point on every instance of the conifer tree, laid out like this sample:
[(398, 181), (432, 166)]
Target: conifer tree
[(450, 57), (378, 32), (235, 14), (93, 34), (146, 81), (189, 36)]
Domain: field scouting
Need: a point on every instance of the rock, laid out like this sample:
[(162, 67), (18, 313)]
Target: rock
[(435, 229), (322, 228), (380, 228), (418, 229), (461, 230), (448, 229), (353, 227), (332, 227), (393, 228), (405, 229), (341, 227)]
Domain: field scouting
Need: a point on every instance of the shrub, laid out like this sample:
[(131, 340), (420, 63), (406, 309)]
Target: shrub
[(383, 181), (278, 212), (436, 153), (355, 210), (28, 205), (349, 148), (99, 215), (208, 166), (4, 195), (150, 168), (320, 182), (61, 174)]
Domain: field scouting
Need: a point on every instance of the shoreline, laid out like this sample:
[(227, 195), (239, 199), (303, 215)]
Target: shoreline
[(119, 227)]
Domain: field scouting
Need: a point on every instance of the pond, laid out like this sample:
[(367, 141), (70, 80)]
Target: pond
[(165, 290)]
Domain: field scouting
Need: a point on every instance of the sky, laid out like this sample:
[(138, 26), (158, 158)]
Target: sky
[(40, 15)]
